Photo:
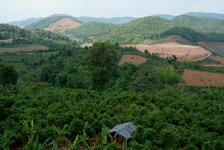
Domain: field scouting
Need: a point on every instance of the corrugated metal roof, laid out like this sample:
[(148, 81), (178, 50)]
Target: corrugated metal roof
[(124, 130)]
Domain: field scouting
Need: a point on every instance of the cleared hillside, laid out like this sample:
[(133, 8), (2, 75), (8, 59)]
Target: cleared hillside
[(49, 23)]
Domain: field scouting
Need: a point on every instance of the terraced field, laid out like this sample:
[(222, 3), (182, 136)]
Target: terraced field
[(167, 49)]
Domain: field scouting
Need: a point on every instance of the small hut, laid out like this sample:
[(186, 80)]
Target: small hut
[(124, 130)]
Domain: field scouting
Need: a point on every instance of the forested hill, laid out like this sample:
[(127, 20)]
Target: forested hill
[(92, 29), (139, 30), (201, 23), (156, 28), (44, 23)]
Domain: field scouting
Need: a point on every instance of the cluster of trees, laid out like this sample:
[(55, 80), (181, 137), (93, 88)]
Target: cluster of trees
[(75, 95)]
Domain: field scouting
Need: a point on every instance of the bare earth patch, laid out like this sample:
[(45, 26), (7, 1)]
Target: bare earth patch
[(133, 59), (198, 78), (62, 25), (167, 49), (27, 48)]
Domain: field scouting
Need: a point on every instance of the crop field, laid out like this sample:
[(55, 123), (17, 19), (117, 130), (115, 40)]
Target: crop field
[(22, 48), (167, 49), (133, 59), (216, 47), (198, 78), (62, 25)]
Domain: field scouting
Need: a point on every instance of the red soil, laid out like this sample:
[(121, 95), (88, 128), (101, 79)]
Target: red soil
[(133, 59), (198, 78), (62, 25), (167, 49)]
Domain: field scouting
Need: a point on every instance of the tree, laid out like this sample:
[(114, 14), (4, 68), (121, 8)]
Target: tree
[(101, 60), (8, 74)]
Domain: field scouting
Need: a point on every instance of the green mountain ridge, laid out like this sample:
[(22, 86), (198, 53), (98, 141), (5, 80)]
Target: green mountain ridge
[(205, 24)]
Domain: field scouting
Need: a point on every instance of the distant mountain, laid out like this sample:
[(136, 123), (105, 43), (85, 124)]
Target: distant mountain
[(200, 14), (205, 24), (55, 23), (114, 20), (165, 16), (26, 22)]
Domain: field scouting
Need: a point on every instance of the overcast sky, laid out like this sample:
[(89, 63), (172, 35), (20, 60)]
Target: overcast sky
[(11, 10)]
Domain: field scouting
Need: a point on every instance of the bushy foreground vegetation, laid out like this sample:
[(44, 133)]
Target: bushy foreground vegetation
[(60, 102)]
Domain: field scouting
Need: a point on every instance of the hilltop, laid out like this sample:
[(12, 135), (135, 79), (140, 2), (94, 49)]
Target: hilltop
[(55, 23), (139, 30)]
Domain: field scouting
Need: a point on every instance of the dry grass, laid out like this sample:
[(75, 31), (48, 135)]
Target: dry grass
[(167, 49), (198, 78), (133, 59), (62, 25)]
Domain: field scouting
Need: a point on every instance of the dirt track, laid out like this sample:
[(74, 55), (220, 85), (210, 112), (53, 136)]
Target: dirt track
[(62, 25), (198, 78), (133, 59), (167, 49)]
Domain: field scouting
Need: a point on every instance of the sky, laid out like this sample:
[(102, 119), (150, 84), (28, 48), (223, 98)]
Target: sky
[(12, 10)]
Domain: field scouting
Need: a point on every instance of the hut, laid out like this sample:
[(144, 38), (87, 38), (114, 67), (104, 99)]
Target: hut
[(124, 130)]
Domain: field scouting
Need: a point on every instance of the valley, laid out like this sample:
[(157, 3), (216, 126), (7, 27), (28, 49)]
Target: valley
[(66, 81)]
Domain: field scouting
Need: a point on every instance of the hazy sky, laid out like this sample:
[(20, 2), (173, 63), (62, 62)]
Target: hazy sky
[(11, 10)]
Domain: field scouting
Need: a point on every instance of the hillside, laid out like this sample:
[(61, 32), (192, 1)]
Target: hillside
[(201, 14), (26, 22), (114, 20), (18, 36), (201, 23), (92, 30), (139, 30), (55, 23)]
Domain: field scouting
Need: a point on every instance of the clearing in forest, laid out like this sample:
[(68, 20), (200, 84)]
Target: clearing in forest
[(133, 59), (167, 49), (198, 78), (62, 25), (24, 48)]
